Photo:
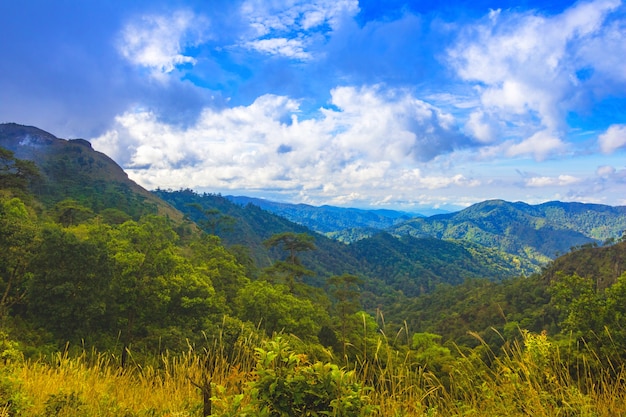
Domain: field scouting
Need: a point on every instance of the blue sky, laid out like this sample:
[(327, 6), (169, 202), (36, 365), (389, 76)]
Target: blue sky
[(394, 104)]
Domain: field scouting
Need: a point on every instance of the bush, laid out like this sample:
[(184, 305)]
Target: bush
[(289, 385)]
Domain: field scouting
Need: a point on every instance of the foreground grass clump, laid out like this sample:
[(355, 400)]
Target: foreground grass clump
[(530, 377)]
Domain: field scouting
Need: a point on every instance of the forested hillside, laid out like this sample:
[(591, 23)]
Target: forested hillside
[(537, 233), (126, 306), (328, 219), (70, 171), (391, 266)]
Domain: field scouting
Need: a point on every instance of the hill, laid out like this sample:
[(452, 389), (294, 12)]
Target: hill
[(330, 220), (603, 265), (537, 233), (391, 264), (72, 169)]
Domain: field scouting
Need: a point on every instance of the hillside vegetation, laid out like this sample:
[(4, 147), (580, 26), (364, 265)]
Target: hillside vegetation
[(535, 233), (133, 308)]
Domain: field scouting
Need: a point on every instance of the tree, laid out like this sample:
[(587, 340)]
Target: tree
[(290, 270), (581, 307), (16, 173), (144, 259), (161, 297), (345, 291), (294, 243), (214, 220), (18, 234), (275, 309), (226, 274), (70, 212)]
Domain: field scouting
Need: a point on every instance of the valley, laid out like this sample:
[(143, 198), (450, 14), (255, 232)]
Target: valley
[(170, 293)]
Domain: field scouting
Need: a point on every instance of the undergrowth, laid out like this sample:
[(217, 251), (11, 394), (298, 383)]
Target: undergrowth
[(532, 376)]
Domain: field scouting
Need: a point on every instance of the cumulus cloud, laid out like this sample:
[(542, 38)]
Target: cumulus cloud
[(613, 139), (289, 28), (157, 42), (540, 145), (527, 68), (561, 180), (369, 139)]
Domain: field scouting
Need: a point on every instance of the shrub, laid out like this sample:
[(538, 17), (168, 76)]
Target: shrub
[(289, 385)]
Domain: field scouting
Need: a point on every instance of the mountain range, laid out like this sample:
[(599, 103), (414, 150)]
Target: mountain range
[(538, 233), (398, 252)]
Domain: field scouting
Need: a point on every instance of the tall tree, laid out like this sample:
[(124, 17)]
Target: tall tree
[(16, 173), (344, 290), (294, 243), (143, 254), (291, 270), (18, 232), (213, 220)]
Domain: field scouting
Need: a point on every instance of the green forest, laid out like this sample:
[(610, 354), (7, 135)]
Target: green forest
[(119, 302)]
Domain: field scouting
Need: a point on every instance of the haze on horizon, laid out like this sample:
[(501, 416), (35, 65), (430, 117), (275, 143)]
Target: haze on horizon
[(394, 104)]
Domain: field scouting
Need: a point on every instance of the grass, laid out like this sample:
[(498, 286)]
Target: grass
[(530, 377)]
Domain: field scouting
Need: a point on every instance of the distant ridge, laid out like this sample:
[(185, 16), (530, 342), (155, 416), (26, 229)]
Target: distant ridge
[(538, 232), (329, 219)]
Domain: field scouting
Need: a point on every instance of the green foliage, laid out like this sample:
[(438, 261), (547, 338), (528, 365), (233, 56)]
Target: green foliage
[(294, 243), (213, 220), (532, 233), (275, 309), (287, 385), (344, 290), (227, 275), (430, 354), (69, 213), (18, 234), (16, 174), (63, 405), (69, 288)]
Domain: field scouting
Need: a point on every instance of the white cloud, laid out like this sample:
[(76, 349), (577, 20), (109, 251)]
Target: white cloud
[(484, 131), (561, 180), (289, 27), (368, 142), (525, 65), (613, 139), (158, 42), (540, 146), (605, 171), (291, 48)]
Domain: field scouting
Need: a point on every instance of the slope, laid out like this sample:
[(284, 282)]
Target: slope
[(537, 233), (328, 219), (389, 264), (72, 169)]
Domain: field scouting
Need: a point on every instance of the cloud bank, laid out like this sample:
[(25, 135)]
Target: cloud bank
[(347, 102)]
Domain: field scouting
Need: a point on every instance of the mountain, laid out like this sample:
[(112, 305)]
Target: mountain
[(330, 220), (531, 233), (494, 239), (72, 169), (538, 233), (391, 264)]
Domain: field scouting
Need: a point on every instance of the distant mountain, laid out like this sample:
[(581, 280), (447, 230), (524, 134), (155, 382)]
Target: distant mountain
[(331, 220), (72, 169), (535, 232), (393, 266)]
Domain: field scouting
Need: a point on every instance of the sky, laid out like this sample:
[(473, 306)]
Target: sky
[(373, 104)]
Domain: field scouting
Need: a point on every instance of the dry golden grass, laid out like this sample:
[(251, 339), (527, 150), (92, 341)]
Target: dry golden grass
[(531, 377)]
